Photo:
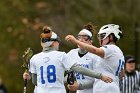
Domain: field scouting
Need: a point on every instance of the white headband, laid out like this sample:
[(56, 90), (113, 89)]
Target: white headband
[(86, 32), (54, 35), (48, 44)]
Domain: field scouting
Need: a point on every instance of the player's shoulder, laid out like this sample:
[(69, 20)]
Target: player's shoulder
[(58, 54), (112, 50), (93, 56), (107, 46), (73, 51), (110, 47), (115, 49), (36, 56)]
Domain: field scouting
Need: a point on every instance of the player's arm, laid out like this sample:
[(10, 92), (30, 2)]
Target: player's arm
[(33, 70), (34, 79), (90, 73), (90, 48), (85, 84)]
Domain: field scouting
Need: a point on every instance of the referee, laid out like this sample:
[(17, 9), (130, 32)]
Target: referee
[(131, 82)]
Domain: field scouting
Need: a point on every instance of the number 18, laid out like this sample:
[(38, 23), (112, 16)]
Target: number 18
[(51, 74)]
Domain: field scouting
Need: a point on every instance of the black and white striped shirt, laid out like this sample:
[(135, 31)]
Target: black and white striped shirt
[(130, 83)]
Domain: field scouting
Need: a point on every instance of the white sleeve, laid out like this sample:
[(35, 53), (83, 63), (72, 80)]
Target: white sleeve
[(69, 53), (107, 51), (67, 61), (32, 66), (96, 62)]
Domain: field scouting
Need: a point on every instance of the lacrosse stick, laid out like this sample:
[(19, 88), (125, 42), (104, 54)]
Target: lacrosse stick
[(26, 57), (70, 78)]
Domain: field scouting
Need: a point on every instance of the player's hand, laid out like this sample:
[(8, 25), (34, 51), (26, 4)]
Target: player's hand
[(106, 79), (26, 76), (73, 87), (71, 38)]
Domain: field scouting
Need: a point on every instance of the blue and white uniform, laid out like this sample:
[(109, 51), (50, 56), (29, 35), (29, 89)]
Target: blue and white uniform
[(88, 61), (50, 68), (111, 65)]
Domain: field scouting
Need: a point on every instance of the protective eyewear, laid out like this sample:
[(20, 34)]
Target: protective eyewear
[(83, 37), (43, 40), (101, 36)]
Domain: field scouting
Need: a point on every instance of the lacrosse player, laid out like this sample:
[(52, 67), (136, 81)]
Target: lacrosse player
[(111, 60), (48, 67), (84, 59)]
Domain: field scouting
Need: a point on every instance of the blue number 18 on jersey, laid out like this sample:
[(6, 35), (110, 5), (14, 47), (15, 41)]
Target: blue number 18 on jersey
[(51, 74)]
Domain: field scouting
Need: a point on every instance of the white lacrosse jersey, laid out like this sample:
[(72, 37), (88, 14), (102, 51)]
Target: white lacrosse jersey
[(111, 65), (50, 68), (88, 61)]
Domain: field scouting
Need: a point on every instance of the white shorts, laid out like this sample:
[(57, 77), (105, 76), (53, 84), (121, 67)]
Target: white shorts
[(102, 87), (90, 90), (50, 90)]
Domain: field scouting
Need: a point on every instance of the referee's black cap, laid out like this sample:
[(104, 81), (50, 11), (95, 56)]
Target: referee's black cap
[(130, 59)]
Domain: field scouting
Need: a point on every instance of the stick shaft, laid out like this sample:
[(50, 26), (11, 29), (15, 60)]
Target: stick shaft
[(25, 86)]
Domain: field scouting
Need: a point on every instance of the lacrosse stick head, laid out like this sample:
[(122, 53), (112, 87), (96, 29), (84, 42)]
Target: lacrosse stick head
[(28, 53), (71, 77)]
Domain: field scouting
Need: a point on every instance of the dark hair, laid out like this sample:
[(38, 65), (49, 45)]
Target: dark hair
[(114, 38), (90, 27), (46, 29)]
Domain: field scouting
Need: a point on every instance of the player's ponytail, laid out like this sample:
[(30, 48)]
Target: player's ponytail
[(47, 32), (90, 27)]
